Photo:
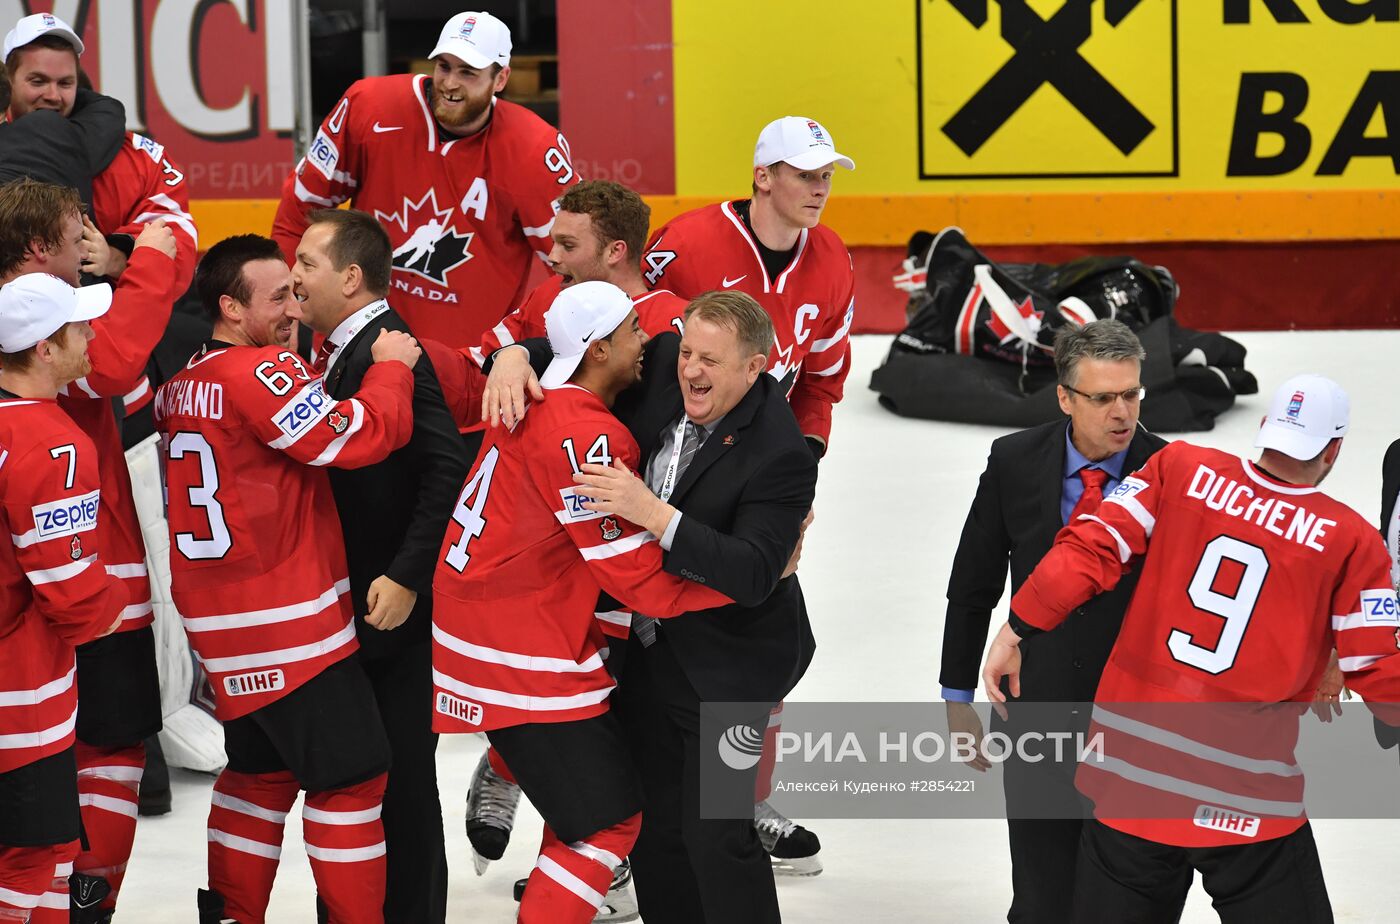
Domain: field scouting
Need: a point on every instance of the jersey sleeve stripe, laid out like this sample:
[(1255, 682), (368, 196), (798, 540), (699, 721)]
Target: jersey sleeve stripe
[(268, 616), (476, 355), (830, 370), (503, 336), (61, 573), (85, 388), (306, 195), (357, 419), (618, 547), (1358, 620), (127, 571), (282, 656), (1131, 504), (513, 659), (542, 231), (614, 617), (41, 738), (517, 701), (820, 345), (39, 694), (1124, 552), (136, 611), (1359, 662)]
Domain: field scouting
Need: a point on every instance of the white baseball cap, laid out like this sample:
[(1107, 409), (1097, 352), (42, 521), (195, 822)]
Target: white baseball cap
[(1306, 413), (581, 314), (479, 39), (32, 27), (35, 305), (803, 143)]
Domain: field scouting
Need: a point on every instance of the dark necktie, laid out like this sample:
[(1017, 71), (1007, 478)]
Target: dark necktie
[(1089, 501), (323, 356), (645, 626)]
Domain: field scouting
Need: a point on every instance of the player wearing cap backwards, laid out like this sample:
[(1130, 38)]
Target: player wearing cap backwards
[(41, 230), (139, 186), (55, 592), (517, 651), (1251, 577), (774, 248), (465, 183), (259, 576)]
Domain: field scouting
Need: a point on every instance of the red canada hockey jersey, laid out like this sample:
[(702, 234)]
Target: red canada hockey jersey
[(811, 302), (514, 634), (123, 340), (256, 557), (1247, 585), (139, 186), (54, 592), (465, 215), (657, 310)]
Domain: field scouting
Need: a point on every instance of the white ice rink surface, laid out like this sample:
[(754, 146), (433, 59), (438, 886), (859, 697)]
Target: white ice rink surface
[(890, 506)]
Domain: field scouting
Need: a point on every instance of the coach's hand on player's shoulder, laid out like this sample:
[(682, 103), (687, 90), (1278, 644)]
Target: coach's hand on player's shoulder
[(1003, 660), (963, 719), (614, 489), (116, 624), (389, 603), (157, 234), (395, 344), (511, 379)]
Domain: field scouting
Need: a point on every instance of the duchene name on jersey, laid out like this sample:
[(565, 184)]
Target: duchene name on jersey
[(66, 517), (1278, 516), (192, 398)]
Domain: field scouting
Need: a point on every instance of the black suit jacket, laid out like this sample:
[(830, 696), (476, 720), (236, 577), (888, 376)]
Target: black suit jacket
[(394, 513), (1014, 518), (1390, 486), (743, 497)]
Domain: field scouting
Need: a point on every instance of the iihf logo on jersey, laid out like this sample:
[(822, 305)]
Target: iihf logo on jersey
[(610, 528), (1295, 404), (432, 248)]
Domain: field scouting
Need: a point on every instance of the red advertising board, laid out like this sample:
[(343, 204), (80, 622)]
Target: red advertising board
[(212, 81)]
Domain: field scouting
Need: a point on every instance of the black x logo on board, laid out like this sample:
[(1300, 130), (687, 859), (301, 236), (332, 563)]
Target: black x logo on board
[(1047, 51)]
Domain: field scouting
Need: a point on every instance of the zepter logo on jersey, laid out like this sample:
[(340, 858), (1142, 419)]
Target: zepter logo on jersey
[(66, 517), (427, 244), (1380, 606)]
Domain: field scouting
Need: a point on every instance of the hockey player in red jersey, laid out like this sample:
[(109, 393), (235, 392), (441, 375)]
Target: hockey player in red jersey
[(117, 677), (774, 248), (464, 183), (522, 544), (55, 591), (1251, 577), (259, 576)]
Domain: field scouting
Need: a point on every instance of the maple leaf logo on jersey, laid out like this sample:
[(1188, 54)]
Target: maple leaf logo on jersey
[(337, 421), (75, 549), (610, 528), (433, 247)]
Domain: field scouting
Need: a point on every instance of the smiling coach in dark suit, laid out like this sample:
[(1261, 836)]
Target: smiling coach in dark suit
[(721, 445), (1036, 480), (393, 516)]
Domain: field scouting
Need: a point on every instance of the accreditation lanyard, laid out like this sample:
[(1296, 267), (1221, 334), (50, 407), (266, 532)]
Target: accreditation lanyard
[(668, 484)]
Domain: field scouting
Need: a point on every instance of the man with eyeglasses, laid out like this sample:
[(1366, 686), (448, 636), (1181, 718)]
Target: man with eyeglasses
[(1036, 481)]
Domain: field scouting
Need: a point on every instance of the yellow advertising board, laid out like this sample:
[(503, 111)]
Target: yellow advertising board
[(1061, 120)]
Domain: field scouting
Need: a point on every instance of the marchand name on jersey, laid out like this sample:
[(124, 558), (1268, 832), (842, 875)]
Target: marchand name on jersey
[(191, 398), (1274, 514)]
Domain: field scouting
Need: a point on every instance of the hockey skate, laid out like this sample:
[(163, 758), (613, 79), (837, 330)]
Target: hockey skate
[(491, 805), (619, 906), (794, 850)]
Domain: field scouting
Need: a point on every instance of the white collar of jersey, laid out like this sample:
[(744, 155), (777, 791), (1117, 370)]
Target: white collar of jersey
[(346, 330)]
